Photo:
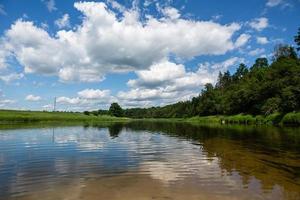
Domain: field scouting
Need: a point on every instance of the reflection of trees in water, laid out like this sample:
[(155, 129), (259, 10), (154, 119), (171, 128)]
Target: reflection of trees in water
[(271, 168), (115, 130), (269, 154)]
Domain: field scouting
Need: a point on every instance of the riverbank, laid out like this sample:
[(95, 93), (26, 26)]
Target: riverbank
[(289, 119), (14, 116)]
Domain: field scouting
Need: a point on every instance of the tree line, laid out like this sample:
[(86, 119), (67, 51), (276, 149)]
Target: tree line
[(261, 89)]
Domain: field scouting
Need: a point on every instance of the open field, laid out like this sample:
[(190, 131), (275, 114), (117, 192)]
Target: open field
[(13, 116)]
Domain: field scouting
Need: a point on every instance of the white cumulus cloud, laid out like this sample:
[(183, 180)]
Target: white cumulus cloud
[(8, 78), (94, 94), (6, 102), (171, 13), (256, 52), (32, 97), (68, 100), (87, 98), (259, 23), (63, 22), (242, 40), (262, 40), (106, 43)]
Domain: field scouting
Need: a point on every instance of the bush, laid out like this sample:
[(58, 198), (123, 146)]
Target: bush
[(292, 118), (86, 112)]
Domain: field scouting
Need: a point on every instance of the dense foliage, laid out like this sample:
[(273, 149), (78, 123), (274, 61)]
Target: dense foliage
[(297, 40), (116, 110)]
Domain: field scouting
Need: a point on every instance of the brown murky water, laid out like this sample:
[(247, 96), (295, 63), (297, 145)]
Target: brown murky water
[(149, 161)]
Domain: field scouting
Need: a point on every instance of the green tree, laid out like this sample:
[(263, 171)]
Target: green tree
[(241, 71), (289, 98), (271, 106), (116, 110), (284, 51), (297, 40), (209, 101), (260, 63), (224, 79), (86, 112)]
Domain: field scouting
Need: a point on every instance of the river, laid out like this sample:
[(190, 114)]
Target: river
[(149, 160)]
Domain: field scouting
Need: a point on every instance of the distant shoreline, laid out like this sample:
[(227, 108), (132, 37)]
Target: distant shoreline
[(16, 117)]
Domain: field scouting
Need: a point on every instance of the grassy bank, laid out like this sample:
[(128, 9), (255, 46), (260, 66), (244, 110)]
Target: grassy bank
[(292, 118), (13, 116)]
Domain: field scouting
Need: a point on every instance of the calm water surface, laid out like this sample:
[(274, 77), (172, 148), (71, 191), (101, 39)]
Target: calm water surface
[(149, 161)]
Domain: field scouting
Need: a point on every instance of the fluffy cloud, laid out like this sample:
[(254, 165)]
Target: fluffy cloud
[(259, 23), (262, 40), (146, 94), (67, 100), (171, 13), (105, 43), (87, 99), (31, 97), (94, 94), (11, 77), (5, 102), (33, 48), (63, 22), (114, 4), (167, 82), (242, 40), (158, 74), (256, 52), (161, 84), (48, 106)]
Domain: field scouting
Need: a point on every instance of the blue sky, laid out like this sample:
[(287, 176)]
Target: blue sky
[(139, 53)]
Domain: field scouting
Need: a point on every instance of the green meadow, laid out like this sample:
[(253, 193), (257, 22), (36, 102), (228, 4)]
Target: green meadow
[(13, 116)]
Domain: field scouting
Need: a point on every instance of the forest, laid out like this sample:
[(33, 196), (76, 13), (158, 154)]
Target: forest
[(261, 89)]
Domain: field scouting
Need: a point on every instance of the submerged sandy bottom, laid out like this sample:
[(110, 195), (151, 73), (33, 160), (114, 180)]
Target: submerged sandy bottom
[(131, 187)]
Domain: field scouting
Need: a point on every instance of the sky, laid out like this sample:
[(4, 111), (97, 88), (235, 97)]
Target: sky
[(139, 53)]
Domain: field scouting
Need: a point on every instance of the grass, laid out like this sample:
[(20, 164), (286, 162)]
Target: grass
[(206, 119), (13, 116), (292, 118)]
